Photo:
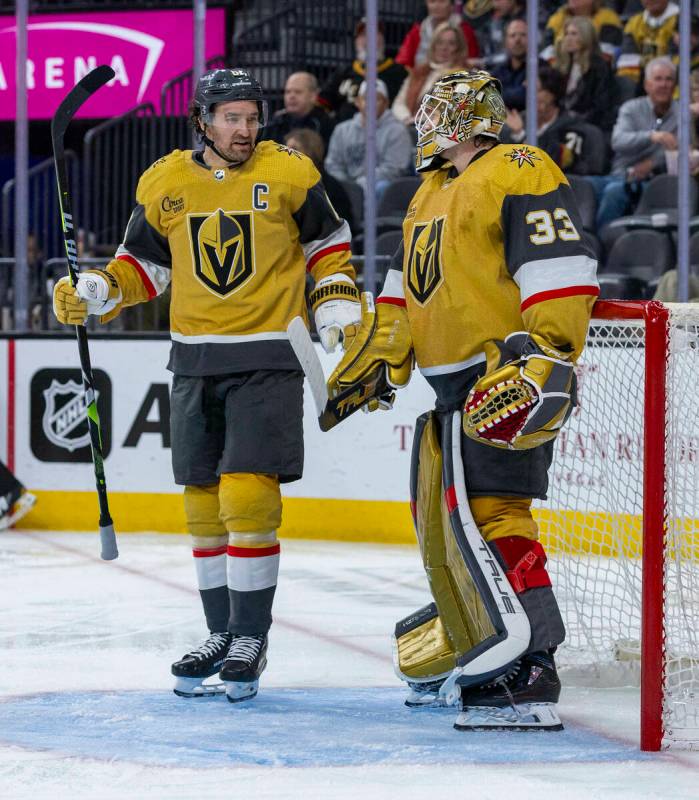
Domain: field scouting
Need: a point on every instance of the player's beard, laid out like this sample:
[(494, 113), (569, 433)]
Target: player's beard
[(237, 151)]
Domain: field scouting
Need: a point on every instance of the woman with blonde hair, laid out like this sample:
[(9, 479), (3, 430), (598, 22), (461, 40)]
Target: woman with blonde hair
[(606, 21), (448, 52), (590, 88)]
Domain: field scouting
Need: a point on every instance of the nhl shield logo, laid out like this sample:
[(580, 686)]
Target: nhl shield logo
[(65, 415), (425, 259), (58, 414), (222, 250)]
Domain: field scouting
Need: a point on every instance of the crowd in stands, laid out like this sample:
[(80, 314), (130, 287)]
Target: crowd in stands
[(606, 97)]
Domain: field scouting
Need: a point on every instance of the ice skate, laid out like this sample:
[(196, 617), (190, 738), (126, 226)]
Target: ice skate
[(524, 699), (194, 667), (16, 509), (246, 659)]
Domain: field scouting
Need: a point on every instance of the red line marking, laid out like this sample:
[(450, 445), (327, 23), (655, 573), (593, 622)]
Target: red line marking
[(338, 641), (11, 387)]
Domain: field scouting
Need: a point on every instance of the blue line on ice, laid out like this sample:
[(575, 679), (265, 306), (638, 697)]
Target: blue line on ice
[(281, 727)]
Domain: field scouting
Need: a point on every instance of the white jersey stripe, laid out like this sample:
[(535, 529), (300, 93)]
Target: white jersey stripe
[(549, 274), (447, 369), (393, 285), (341, 235), (223, 338), (159, 276)]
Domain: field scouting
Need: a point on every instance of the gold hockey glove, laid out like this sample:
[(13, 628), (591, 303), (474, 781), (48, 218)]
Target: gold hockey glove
[(378, 359), (525, 396), (96, 292)]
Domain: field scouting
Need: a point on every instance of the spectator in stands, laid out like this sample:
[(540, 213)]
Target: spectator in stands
[(559, 134), (415, 47), (300, 110), (311, 144), (590, 88), (339, 94), (347, 148), (512, 72), (647, 35), (490, 28), (606, 22), (645, 129), (693, 45), (447, 53)]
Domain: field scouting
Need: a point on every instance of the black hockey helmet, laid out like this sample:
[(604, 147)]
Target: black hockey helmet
[(225, 85)]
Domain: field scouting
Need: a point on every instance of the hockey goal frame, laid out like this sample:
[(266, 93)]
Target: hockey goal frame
[(656, 318)]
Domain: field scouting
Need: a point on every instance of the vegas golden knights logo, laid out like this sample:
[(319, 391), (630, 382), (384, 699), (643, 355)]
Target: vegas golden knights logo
[(425, 261), (222, 249)]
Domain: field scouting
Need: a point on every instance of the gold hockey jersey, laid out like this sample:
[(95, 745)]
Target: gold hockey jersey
[(236, 244), (496, 249), (646, 37)]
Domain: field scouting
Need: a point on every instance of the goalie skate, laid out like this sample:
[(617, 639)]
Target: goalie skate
[(195, 667), (243, 665), (523, 699), (21, 507), (425, 695)]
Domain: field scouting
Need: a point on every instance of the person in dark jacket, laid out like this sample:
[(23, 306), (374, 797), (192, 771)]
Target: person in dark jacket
[(590, 88), (513, 71), (300, 110)]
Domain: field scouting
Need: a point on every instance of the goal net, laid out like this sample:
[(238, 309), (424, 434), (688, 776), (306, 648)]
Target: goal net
[(621, 523)]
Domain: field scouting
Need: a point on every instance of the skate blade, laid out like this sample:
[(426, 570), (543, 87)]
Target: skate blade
[(525, 717), (238, 692), (193, 687), (23, 506), (425, 700)]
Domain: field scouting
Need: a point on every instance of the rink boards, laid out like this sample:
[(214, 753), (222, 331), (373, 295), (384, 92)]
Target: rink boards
[(355, 484)]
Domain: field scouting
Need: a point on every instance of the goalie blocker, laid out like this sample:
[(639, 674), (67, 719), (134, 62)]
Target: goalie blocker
[(493, 602)]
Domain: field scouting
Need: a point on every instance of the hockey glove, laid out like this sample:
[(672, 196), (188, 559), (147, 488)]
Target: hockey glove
[(525, 396), (378, 356), (96, 292), (335, 304)]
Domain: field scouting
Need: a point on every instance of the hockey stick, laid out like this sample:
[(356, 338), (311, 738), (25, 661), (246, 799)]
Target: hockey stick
[(332, 410), (80, 93)]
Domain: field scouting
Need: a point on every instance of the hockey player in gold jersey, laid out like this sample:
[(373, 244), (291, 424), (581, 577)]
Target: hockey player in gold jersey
[(491, 291), (234, 228)]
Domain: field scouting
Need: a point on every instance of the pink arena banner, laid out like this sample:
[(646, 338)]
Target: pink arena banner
[(145, 49)]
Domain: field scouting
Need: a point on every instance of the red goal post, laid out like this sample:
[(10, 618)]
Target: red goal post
[(621, 523)]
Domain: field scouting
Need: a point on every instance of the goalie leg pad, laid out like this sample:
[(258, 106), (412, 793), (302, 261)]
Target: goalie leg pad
[(497, 517), (468, 624), (524, 562)]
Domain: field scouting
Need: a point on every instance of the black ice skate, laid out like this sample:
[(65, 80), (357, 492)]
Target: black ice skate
[(247, 657), (193, 668), (524, 699)]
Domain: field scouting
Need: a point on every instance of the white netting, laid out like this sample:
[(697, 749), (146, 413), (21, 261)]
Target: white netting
[(591, 523)]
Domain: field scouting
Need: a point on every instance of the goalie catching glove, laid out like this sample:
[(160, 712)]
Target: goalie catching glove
[(525, 396), (335, 304), (378, 357), (96, 292)]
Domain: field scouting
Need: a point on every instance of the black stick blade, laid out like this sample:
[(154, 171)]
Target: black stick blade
[(79, 94)]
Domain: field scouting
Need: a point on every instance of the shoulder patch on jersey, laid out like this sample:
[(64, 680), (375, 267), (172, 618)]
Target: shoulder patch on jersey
[(521, 155), (282, 148)]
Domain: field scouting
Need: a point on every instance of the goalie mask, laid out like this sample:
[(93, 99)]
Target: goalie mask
[(458, 107)]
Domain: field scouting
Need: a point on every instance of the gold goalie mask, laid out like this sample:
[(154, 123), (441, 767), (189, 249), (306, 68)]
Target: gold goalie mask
[(458, 107)]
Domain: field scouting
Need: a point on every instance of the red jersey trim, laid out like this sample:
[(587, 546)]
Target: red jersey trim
[(143, 274), (554, 294), (393, 301), (450, 497), (326, 251)]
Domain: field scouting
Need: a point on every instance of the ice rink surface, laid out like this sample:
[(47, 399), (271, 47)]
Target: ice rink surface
[(86, 707)]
